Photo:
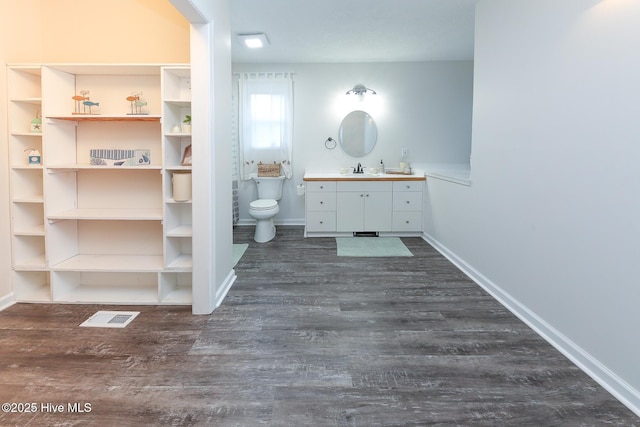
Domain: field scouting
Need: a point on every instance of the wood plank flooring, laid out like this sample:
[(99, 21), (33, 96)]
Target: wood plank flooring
[(304, 338)]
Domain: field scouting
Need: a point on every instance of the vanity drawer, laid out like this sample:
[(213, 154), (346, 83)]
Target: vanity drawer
[(407, 185), (321, 186), (407, 221), (407, 201), (321, 221), (321, 201)]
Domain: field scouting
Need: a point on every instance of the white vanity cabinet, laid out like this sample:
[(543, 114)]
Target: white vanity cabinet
[(336, 205), (320, 205), (363, 206), (407, 206)]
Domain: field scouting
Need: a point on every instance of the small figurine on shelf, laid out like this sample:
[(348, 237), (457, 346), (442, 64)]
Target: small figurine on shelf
[(136, 104), (36, 124), (186, 124), (34, 158), (83, 99)]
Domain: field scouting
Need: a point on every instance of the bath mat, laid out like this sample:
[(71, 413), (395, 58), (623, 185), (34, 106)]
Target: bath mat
[(238, 251), (371, 247)]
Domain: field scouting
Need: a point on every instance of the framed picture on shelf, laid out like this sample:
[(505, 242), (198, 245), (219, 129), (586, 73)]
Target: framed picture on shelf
[(186, 156)]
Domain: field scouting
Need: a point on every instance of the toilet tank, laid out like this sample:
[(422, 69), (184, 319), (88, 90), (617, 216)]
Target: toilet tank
[(269, 187)]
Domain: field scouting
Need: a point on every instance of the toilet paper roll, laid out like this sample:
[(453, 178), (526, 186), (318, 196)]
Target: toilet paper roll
[(300, 189)]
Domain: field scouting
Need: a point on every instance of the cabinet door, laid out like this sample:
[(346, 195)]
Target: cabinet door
[(377, 211), (350, 208)]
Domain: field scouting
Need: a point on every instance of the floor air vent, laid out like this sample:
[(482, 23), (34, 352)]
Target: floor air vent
[(110, 319)]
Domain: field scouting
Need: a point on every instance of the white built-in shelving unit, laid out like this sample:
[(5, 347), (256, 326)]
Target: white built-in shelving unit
[(89, 233)]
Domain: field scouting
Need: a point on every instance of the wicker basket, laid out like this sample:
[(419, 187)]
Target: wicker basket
[(268, 170)]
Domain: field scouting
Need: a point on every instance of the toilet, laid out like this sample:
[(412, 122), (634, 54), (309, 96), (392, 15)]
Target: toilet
[(266, 207)]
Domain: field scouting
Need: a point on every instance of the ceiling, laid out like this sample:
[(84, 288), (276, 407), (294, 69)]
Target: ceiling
[(329, 31)]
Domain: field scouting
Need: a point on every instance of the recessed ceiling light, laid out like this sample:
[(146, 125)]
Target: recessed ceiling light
[(254, 40)]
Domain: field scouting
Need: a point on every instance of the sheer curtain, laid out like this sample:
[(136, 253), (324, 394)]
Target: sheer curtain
[(266, 122)]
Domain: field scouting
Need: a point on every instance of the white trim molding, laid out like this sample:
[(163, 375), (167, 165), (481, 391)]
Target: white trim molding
[(7, 301)]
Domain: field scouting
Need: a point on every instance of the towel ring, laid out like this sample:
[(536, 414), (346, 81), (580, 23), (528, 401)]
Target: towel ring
[(330, 143)]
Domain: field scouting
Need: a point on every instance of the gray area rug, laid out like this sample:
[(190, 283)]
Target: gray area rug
[(371, 247), (238, 251)]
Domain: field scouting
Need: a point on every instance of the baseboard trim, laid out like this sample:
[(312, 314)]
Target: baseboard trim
[(252, 222), (7, 301), (226, 286), (620, 389)]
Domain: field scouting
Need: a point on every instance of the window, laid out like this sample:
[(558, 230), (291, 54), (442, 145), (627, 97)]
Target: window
[(266, 122)]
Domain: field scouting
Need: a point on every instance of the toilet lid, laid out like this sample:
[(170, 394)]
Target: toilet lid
[(263, 204)]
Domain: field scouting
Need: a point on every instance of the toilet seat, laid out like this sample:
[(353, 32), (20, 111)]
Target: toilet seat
[(263, 204)]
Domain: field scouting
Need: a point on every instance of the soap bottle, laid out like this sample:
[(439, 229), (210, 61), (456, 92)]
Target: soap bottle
[(381, 166)]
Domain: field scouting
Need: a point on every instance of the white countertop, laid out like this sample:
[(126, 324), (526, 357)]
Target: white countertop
[(417, 175)]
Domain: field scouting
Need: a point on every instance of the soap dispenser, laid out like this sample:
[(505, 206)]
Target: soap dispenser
[(381, 166)]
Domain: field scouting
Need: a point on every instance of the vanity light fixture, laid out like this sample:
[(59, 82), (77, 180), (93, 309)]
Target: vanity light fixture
[(360, 90), (253, 40)]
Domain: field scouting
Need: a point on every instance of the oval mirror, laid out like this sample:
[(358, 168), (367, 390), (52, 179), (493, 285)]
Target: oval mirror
[(358, 133)]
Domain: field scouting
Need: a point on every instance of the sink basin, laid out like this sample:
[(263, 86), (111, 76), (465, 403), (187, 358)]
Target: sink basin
[(358, 175)]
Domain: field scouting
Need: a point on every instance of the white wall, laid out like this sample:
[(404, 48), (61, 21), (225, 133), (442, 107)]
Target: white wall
[(550, 222), (425, 107)]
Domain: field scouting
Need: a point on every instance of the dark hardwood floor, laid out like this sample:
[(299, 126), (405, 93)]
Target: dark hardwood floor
[(304, 338)]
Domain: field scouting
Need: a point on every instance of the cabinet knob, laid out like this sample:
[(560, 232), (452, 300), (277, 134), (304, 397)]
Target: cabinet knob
[(322, 187), (362, 195), (408, 187), (321, 202), (408, 202), (322, 222), (367, 195), (407, 221)]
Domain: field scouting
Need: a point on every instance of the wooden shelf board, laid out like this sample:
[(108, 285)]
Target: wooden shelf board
[(110, 214), (107, 118), (111, 263)]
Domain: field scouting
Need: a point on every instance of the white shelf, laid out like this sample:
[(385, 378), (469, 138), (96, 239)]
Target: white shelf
[(182, 263), (77, 167), (178, 296), (37, 230), (111, 263), (181, 231), (109, 214), (179, 102), (35, 263), (29, 199), (89, 233), (36, 101), (120, 294)]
